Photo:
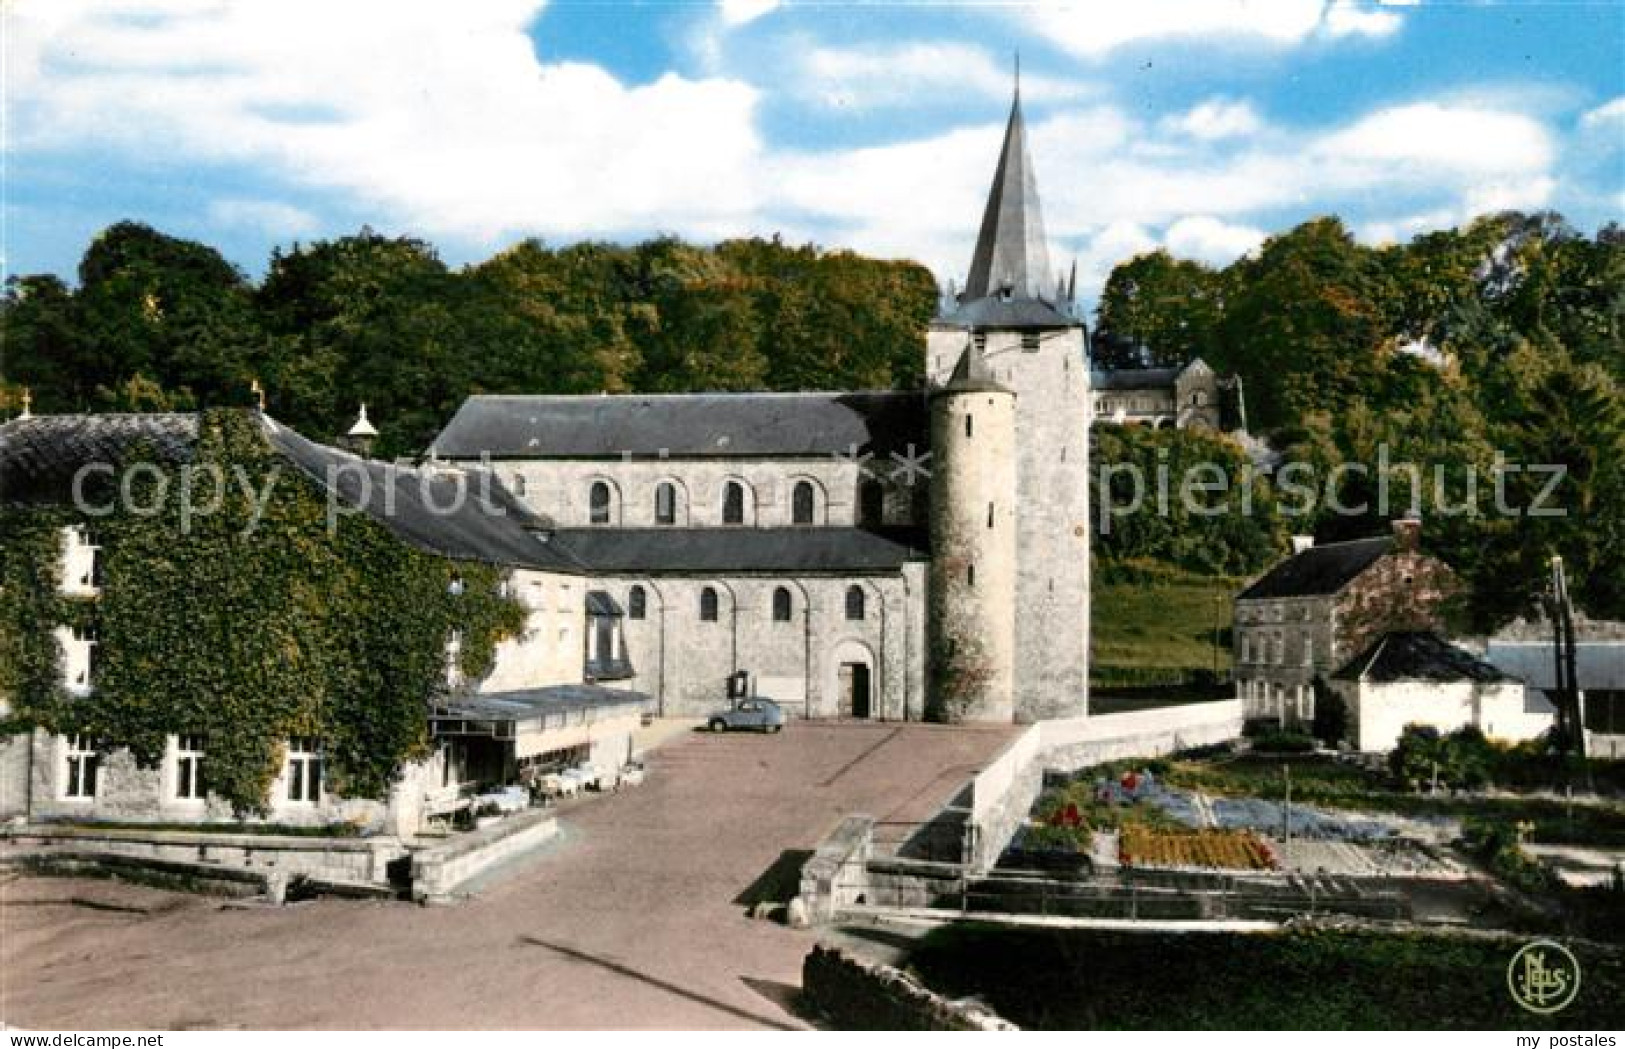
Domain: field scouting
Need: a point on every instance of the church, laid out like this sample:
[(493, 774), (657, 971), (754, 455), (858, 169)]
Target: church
[(889, 555)]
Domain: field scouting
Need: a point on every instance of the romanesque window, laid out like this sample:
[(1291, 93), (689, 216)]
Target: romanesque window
[(802, 503), (733, 503), (708, 605), (871, 504), (598, 503), (83, 758), (190, 784), (854, 603), (781, 605), (666, 503), (637, 603), (304, 770)]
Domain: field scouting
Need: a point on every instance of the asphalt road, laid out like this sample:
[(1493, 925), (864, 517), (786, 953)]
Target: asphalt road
[(635, 918)]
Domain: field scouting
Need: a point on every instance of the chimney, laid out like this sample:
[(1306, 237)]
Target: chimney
[(1300, 543), (1408, 534)]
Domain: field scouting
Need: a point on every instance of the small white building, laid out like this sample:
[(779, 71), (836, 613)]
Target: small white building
[(1418, 678)]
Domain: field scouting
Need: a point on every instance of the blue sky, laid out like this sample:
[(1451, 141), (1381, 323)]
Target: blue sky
[(1199, 125)]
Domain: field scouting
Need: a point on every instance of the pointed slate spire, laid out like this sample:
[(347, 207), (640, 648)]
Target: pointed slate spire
[(1011, 251), (973, 374)]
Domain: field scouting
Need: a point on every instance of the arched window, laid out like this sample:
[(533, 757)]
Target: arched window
[(802, 502), (666, 503), (733, 503), (598, 503), (637, 603), (854, 602), (781, 605), (708, 605), (871, 504)]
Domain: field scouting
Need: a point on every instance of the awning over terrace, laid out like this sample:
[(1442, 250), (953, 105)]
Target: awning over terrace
[(537, 720)]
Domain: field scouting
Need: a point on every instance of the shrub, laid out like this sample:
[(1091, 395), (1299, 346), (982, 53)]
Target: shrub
[(1284, 741)]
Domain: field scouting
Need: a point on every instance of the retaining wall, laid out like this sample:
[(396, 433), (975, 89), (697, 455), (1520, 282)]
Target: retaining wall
[(853, 994), (439, 871)]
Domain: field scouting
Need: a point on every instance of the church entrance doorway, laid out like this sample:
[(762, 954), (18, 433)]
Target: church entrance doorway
[(855, 690)]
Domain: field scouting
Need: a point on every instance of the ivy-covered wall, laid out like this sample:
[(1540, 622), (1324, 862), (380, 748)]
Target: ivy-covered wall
[(247, 635)]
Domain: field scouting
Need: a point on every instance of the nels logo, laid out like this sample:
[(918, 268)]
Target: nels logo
[(1543, 977)]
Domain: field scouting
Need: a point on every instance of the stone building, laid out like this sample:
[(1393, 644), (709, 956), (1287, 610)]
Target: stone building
[(1310, 614), (533, 710), (1418, 678), (1190, 396), (855, 554)]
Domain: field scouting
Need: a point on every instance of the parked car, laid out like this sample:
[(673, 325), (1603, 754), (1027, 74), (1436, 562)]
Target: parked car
[(752, 712), (632, 775)]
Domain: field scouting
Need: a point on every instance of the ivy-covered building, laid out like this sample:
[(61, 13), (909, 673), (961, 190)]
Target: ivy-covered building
[(209, 617)]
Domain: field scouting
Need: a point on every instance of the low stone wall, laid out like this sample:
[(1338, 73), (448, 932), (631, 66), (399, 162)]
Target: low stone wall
[(836, 875), (338, 860), (1069, 744), (441, 870), (856, 995), (1003, 793)]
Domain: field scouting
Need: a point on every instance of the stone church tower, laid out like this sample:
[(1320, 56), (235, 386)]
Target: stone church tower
[(972, 587), (1009, 353)]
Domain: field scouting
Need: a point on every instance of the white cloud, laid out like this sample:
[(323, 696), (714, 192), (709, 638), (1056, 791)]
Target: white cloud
[(740, 12), (1211, 240), (438, 116), (1348, 18), (1215, 119), (1608, 116), (916, 74), (1430, 140), (266, 216), (1093, 29)]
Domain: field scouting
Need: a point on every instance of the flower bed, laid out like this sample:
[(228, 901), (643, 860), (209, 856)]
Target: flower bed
[(1143, 846)]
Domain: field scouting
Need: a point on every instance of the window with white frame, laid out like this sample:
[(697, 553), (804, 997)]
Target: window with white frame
[(189, 784), (303, 770), (82, 762)]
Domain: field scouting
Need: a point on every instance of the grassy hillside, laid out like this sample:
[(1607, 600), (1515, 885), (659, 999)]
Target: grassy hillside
[(1151, 627)]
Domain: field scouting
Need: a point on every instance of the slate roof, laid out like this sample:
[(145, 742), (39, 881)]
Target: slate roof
[(1011, 250), (1320, 570), (40, 455), (714, 551), (1600, 666), (720, 425), (972, 374), (465, 514), (532, 704), (995, 311), (1135, 378), (1417, 656)]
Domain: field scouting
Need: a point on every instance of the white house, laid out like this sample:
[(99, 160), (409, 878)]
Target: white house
[(1418, 678)]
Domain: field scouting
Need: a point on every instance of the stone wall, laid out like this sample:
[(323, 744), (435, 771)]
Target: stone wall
[(684, 662), (362, 861), (834, 877), (442, 870), (560, 489), (854, 994)]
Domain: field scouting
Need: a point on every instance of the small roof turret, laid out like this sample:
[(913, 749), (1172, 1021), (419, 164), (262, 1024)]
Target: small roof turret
[(973, 374), (363, 427)]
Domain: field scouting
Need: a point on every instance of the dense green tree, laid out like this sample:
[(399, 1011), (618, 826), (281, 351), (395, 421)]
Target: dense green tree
[(1166, 305)]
